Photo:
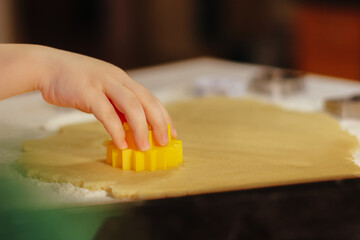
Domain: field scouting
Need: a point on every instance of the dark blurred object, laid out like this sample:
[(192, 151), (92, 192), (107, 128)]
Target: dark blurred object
[(133, 33), (327, 210), (322, 37), (277, 82), (71, 25), (247, 31), (343, 107), (328, 38), (7, 21), (126, 33)]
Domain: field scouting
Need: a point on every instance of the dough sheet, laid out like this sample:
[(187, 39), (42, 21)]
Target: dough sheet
[(229, 144)]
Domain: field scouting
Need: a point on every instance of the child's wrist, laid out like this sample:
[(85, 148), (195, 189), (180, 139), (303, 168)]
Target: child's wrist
[(41, 57)]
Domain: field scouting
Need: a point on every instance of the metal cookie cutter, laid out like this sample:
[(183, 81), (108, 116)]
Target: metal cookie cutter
[(344, 107), (277, 82)]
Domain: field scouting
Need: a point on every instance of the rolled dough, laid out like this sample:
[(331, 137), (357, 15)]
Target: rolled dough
[(228, 145)]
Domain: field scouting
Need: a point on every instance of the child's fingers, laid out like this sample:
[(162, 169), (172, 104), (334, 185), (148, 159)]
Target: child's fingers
[(120, 114), (152, 111), (127, 102), (156, 119), (167, 118), (105, 113)]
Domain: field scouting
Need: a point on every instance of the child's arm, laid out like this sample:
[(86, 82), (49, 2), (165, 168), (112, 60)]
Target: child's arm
[(88, 84)]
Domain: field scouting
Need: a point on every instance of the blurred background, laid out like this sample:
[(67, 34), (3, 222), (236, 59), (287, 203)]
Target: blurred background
[(316, 36)]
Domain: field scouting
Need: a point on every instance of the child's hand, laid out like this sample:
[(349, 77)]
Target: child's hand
[(98, 87)]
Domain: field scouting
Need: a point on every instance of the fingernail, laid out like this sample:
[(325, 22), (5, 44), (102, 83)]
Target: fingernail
[(174, 132), (124, 144), (164, 140), (146, 145)]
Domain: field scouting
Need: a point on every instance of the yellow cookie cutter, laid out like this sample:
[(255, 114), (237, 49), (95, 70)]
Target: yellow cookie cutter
[(156, 158)]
